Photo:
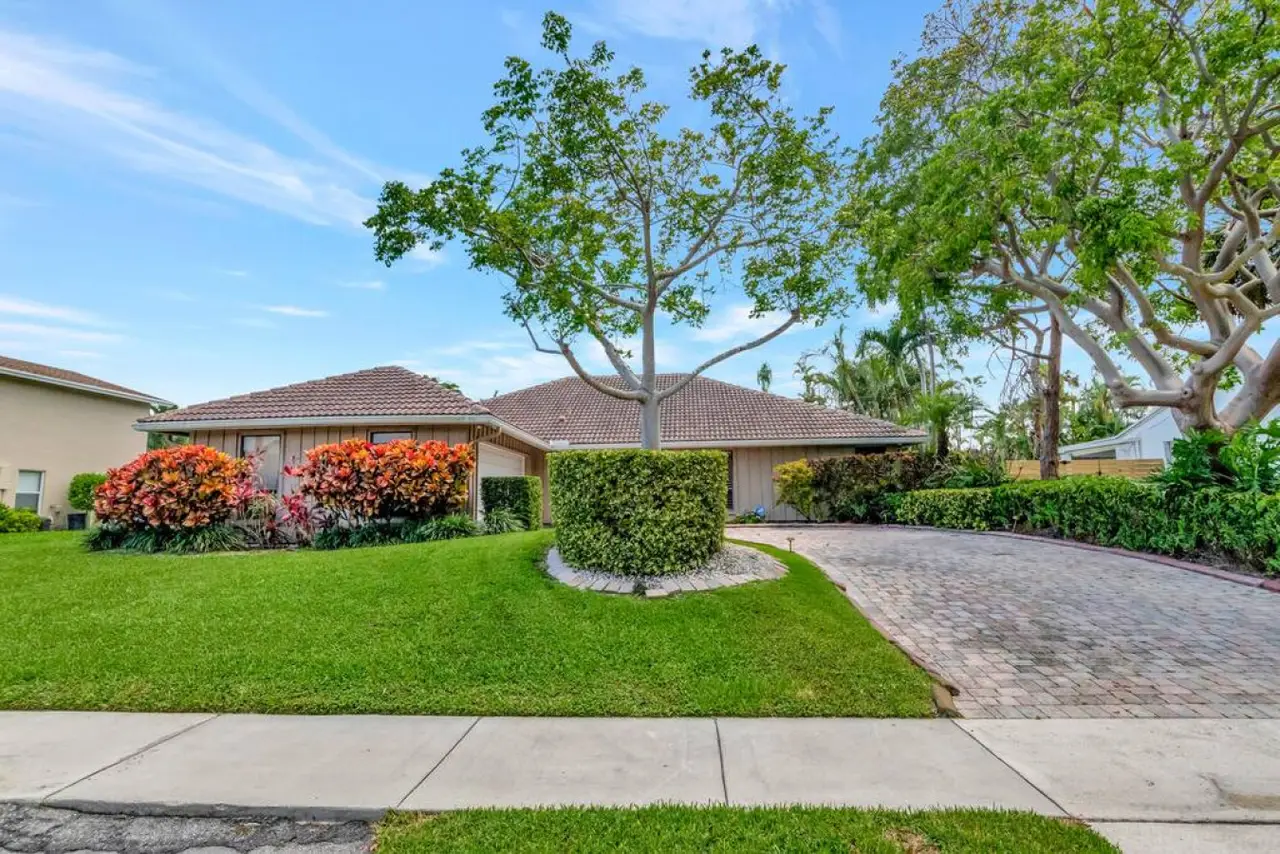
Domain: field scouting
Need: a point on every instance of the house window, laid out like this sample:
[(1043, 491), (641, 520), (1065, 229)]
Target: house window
[(30, 490), (265, 450), (383, 436), (729, 498)]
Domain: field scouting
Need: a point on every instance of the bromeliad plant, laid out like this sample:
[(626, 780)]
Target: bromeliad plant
[(357, 482)]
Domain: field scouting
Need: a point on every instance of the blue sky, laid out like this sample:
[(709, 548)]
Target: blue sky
[(181, 184)]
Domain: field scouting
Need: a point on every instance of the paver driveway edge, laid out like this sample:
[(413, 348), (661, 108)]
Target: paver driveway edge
[(1271, 585), (869, 611)]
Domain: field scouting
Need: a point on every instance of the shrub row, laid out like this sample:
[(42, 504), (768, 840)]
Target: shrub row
[(1131, 514), (19, 521), (521, 496), (860, 487), (639, 512), (359, 481)]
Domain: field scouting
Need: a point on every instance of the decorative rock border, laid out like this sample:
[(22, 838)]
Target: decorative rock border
[(734, 565)]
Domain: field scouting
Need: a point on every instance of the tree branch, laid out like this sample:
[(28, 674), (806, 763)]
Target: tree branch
[(741, 348)]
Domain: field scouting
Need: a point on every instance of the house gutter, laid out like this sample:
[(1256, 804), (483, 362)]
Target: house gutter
[(85, 387), (561, 445), (501, 426)]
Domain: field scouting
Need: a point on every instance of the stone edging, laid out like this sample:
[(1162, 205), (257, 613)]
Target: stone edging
[(658, 586), (1271, 585)]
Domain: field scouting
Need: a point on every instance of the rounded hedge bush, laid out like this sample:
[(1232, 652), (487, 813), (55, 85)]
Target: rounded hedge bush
[(638, 512), (83, 490)]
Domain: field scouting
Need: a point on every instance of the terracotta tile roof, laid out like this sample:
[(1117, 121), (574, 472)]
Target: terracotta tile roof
[(391, 391), (705, 410), (61, 376)]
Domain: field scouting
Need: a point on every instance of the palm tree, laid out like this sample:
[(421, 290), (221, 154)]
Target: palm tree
[(950, 405), (874, 384), (764, 376)]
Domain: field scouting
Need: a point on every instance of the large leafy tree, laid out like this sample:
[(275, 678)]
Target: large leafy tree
[(604, 217), (1111, 162)]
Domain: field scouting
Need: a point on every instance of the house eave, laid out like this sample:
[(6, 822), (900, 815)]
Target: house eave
[(84, 387), (847, 441), (337, 421)]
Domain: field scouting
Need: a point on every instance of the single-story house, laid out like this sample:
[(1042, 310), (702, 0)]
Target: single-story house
[(55, 424), (513, 433)]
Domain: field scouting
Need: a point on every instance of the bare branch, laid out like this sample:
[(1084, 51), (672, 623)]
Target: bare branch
[(741, 348)]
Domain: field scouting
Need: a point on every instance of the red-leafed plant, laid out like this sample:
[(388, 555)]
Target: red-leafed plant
[(173, 489), (359, 481)]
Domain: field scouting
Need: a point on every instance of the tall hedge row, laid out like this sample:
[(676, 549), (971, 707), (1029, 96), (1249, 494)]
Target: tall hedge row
[(639, 512), (1112, 511), (521, 494)]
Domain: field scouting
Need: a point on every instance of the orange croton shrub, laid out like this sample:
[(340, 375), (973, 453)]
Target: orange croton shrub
[(185, 486), (359, 481)]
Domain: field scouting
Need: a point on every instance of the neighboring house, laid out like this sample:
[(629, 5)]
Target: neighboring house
[(55, 424), (513, 433), (1151, 437)]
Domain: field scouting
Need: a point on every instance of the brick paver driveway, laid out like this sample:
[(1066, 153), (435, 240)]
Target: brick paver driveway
[(1038, 629)]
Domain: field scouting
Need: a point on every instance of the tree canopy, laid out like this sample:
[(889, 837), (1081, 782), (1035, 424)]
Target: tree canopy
[(604, 218), (1113, 162)]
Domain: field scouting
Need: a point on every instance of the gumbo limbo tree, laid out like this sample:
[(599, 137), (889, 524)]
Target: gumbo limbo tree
[(1110, 162), (605, 218)]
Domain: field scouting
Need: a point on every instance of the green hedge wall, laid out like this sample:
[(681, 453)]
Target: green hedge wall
[(1113, 511), (863, 487), (638, 512), (521, 495)]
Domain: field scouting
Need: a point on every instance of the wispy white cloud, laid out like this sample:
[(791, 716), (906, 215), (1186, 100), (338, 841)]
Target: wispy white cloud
[(47, 335), (735, 23), (96, 101), (29, 308), (254, 322), (735, 323), (295, 311), (374, 285), (426, 257)]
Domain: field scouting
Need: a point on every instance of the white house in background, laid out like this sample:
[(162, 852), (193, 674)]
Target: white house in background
[(1151, 437)]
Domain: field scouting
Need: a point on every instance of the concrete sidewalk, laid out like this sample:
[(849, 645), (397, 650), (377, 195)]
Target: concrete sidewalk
[(341, 767)]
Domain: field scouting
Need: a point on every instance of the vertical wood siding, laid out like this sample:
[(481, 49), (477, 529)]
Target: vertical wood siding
[(753, 474)]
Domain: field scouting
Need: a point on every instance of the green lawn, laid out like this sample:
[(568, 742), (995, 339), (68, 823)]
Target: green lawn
[(461, 627), (672, 829)]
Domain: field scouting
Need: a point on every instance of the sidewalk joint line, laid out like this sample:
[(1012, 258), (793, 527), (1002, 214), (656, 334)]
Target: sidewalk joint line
[(1018, 773), (724, 780), (141, 750), (447, 754)]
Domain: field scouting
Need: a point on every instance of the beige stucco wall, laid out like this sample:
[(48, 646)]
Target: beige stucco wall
[(296, 442), (62, 432)]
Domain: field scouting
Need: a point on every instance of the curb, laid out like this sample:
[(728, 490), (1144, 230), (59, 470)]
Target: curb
[(1271, 585)]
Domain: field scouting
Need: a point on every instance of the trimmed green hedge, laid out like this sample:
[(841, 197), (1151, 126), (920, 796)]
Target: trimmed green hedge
[(639, 512), (1112, 511), (863, 487), (522, 495), (21, 521), (81, 493)]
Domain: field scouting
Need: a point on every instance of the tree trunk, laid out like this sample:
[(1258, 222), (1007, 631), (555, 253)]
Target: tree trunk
[(650, 424), (650, 417), (941, 442), (1052, 397)]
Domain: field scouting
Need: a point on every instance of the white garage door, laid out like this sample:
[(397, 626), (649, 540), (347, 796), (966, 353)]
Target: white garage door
[(499, 462)]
